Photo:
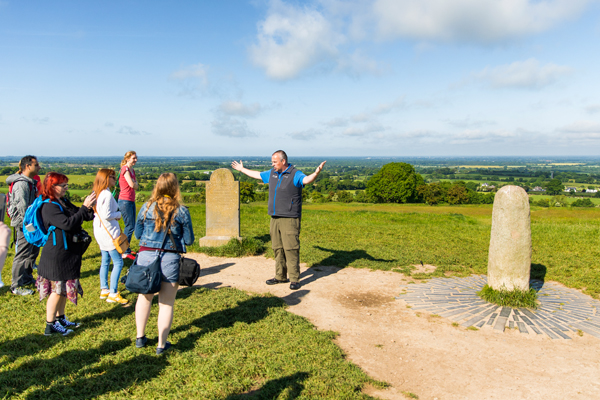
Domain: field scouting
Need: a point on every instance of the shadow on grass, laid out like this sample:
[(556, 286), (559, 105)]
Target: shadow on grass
[(248, 312), (290, 386), (67, 375)]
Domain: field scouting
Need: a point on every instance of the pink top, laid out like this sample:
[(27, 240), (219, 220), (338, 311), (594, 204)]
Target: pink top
[(127, 192)]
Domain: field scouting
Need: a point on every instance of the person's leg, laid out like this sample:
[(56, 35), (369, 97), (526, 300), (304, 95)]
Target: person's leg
[(116, 271), (127, 209), (291, 243), (166, 303), (22, 267), (142, 313), (60, 306), (104, 264), (277, 245), (52, 306)]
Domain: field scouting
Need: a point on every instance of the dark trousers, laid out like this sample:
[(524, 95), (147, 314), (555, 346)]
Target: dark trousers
[(25, 256), (285, 240)]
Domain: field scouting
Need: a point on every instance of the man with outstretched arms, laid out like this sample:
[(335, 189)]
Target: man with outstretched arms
[(23, 193), (285, 208)]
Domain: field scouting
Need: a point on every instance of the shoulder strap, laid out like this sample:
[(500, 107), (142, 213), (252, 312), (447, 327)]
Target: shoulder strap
[(102, 223)]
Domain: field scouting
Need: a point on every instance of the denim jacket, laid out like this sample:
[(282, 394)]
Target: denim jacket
[(181, 230)]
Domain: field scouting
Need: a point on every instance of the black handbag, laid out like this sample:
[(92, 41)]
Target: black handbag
[(145, 279), (189, 271)]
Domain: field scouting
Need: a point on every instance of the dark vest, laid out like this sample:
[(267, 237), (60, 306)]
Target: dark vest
[(285, 199)]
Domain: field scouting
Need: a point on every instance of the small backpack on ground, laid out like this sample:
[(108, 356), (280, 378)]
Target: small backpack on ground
[(33, 227)]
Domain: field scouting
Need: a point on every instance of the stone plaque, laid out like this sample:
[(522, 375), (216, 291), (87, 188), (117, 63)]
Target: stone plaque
[(509, 260), (222, 209)]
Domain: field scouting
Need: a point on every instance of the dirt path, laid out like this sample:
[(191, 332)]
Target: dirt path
[(415, 352)]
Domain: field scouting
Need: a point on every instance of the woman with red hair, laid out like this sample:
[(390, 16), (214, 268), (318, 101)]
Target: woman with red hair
[(60, 264)]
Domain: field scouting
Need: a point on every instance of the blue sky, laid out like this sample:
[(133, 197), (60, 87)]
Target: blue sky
[(315, 78)]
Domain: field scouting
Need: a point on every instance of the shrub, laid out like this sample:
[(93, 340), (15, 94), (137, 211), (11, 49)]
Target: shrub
[(395, 183), (582, 203)]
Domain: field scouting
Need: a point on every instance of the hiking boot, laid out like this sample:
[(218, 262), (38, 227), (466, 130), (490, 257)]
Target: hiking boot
[(104, 294), (22, 291), (56, 328), (116, 298), (66, 323)]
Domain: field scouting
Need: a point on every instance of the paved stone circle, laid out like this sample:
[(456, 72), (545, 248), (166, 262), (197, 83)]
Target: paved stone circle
[(562, 311)]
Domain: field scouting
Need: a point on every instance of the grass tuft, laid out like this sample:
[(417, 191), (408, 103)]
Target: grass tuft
[(509, 298), (236, 248), (410, 395)]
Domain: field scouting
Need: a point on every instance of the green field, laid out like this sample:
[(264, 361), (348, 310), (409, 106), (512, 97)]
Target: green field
[(229, 342)]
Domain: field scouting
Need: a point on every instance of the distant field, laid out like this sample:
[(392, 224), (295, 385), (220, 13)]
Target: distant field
[(491, 166), (78, 179)]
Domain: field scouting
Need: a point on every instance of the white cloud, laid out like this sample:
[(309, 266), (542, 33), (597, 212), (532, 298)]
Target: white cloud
[(198, 71), (236, 108), (581, 127), (36, 120), (593, 109), (468, 123), (336, 122), (472, 21), (337, 34), (292, 39), (363, 130), (305, 135), (231, 127), (128, 130), (528, 74)]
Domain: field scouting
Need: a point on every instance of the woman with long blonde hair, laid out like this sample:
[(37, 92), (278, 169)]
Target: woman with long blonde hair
[(128, 185), (106, 228), (164, 228)]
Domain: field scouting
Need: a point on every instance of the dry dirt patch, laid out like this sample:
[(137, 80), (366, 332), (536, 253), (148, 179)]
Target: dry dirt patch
[(414, 351)]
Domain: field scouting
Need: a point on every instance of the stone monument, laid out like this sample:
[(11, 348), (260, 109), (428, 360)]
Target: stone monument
[(509, 260), (222, 209)]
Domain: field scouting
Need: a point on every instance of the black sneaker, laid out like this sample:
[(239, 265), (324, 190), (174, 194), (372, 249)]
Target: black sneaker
[(161, 350), (295, 285), (55, 328), (68, 324), (140, 342)]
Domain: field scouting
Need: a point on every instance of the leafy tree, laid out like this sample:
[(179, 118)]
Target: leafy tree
[(344, 196), (555, 186), (246, 192), (457, 194), (394, 183), (432, 193), (582, 203)]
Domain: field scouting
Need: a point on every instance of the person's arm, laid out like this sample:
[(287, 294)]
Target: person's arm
[(130, 181), (311, 178), (139, 224), (19, 198), (239, 166), (188, 231), (4, 239)]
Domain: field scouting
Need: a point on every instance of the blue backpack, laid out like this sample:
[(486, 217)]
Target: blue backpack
[(33, 227)]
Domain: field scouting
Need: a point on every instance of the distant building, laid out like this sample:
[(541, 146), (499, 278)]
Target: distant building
[(568, 189), (538, 189)]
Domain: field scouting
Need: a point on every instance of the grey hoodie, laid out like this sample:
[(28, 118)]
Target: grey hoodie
[(23, 194)]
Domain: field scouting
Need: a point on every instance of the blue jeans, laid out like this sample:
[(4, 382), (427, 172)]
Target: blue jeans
[(169, 263), (127, 209), (117, 260)]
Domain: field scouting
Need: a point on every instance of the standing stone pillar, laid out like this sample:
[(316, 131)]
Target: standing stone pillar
[(222, 209), (509, 260)]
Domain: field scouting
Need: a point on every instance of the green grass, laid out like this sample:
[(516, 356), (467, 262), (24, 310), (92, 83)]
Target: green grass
[(227, 343), (512, 298)]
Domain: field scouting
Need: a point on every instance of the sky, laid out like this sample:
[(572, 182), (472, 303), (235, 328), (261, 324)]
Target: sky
[(315, 78)]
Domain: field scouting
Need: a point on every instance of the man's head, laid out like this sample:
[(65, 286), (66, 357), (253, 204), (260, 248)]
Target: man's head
[(29, 166), (279, 161)]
